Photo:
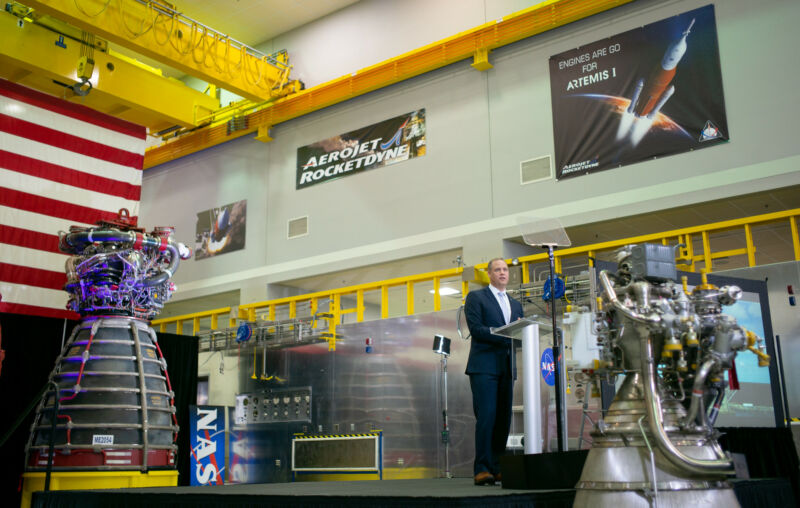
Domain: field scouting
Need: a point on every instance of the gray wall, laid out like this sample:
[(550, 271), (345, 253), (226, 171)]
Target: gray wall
[(465, 192)]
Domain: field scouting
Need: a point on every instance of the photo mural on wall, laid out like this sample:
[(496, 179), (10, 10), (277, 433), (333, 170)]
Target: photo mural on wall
[(390, 141), (649, 92), (220, 230)]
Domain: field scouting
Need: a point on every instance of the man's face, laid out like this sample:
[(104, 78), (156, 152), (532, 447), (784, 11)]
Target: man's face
[(498, 274)]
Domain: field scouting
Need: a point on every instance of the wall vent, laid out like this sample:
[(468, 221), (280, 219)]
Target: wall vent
[(535, 170), (297, 227)]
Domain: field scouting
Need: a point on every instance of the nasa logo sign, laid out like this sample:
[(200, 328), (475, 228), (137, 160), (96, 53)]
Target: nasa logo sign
[(207, 463), (548, 367)]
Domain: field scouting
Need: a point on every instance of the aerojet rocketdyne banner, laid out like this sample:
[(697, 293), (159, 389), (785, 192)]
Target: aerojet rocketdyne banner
[(390, 141), (649, 92)]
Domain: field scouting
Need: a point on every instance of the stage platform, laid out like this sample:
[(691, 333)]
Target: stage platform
[(443, 492)]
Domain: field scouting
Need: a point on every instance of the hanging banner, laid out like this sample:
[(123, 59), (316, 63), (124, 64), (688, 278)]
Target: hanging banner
[(220, 230), (394, 140), (650, 92), (207, 427)]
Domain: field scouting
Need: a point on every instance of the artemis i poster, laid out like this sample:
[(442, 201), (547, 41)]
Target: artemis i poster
[(650, 92), (220, 230)]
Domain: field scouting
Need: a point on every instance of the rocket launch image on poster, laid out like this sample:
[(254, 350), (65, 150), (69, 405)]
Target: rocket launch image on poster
[(650, 92)]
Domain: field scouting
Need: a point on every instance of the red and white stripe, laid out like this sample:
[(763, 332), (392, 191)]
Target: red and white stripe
[(61, 164)]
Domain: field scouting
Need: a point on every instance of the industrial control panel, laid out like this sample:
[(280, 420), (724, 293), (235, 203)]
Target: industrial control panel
[(274, 405)]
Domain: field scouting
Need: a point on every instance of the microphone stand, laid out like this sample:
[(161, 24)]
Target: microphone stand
[(557, 350), (445, 425)]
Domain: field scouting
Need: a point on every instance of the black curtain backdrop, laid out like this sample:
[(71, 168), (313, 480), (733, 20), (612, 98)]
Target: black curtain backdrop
[(180, 351), (770, 452), (32, 345)]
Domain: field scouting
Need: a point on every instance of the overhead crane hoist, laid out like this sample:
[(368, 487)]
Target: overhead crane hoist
[(156, 30), (475, 44), (54, 45)]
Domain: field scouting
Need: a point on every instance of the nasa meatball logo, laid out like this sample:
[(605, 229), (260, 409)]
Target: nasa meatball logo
[(548, 367)]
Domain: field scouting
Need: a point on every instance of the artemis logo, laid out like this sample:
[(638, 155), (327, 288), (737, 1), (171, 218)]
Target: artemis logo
[(710, 131)]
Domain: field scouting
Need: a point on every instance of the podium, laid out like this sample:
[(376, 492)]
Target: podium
[(527, 331), (536, 470)]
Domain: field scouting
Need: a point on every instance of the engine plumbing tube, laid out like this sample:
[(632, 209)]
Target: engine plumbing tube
[(75, 242), (697, 391), (612, 296), (653, 406)]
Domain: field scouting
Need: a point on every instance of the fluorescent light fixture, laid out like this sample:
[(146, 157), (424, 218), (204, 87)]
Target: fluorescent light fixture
[(445, 291)]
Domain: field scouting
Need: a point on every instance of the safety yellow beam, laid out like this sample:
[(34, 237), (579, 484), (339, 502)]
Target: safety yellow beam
[(384, 302), (30, 56), (154, 30), (360, 305), (475, 43), (410, 297), (437, 297), (706, 252)]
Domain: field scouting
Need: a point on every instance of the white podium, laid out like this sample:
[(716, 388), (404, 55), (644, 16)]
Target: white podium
[(527, 331)]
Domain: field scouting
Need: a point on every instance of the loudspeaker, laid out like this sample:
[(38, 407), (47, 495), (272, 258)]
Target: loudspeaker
[(543, 471)]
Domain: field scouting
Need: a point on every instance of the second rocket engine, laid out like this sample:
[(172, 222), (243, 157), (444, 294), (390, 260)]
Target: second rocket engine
[(657, 440)]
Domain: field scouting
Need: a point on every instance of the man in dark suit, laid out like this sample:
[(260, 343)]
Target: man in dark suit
[(491, 370)]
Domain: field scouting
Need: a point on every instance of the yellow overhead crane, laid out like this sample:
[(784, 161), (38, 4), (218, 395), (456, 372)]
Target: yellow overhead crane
[(46, 54), (155, 29), (475, 44)]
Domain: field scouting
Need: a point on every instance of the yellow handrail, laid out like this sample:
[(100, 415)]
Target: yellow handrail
[(334, 297)]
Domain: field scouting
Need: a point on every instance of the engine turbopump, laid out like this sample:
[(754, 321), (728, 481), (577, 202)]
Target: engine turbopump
[(657, 439), (118, 269)]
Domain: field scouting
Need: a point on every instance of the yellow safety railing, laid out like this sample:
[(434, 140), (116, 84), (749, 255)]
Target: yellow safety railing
[(690, 256), (318, 301), (686, 236), (195, 318)]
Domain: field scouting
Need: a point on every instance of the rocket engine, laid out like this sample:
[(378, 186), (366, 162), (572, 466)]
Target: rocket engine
[(657, 440), (110, 405)]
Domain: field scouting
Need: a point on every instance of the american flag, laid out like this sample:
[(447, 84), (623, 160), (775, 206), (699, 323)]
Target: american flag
[(61, 164)]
